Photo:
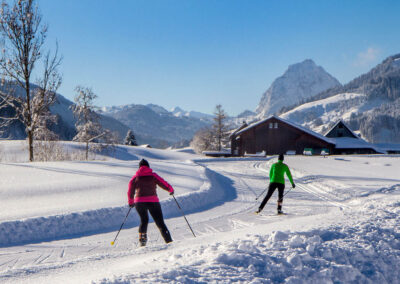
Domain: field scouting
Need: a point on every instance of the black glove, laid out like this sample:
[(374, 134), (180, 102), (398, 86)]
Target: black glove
[(172, 193), (132, 205), (293, 185)]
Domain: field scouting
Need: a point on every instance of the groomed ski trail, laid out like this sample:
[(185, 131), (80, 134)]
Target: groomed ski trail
[(239, 183)]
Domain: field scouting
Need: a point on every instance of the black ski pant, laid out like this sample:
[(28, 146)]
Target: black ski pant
[(154, 208), (271, 189)]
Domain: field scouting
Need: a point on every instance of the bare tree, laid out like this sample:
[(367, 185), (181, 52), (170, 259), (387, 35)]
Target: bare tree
[(23, 37), (203, 140), (220, 128), (87, 125)]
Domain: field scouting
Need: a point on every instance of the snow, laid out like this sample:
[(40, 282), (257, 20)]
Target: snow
[(300, 81), (396, 63), (312, 133), (342, 224), (351, 143), (318, 114), (328, 109), (383, 147)]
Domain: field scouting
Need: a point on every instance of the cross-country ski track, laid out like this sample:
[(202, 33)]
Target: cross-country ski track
[(55, 245)]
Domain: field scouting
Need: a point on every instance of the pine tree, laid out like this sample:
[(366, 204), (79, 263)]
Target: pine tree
[(130, 139), (219, 127)]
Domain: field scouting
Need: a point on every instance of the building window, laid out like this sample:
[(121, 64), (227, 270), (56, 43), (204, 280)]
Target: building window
[(276, 125), (271, 125)]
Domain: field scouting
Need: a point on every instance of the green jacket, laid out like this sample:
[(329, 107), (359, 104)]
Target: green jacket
[(277, 171)]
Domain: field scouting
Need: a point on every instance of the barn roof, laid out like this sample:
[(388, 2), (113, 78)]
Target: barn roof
[(388, 147), (301, 128), (235, 131), (345, 125), (353, 143)]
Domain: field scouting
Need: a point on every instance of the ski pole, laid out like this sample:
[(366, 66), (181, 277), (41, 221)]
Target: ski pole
[(183, 214), (287, 192), (261, 194), (266, 189), (112, 243)]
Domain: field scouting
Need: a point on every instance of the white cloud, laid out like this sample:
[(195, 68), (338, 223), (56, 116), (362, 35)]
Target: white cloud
[(366, 57)]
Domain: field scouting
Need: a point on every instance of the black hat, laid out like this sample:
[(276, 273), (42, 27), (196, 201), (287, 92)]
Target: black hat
[(143, 162), (280, 158)]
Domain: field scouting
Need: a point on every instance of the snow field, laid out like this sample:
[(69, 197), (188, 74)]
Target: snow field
[(341, 227), (364, 250)]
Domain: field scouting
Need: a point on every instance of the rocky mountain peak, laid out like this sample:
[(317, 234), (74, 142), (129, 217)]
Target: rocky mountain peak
[(300, 81)]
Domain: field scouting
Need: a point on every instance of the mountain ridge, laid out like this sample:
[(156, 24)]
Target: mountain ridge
[(373, 109), (300, 81)]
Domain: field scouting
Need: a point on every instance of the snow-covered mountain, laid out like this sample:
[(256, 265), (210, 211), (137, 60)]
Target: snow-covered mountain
[(300, 81), (246, 113), (320, 114), (178, 112), (370, 104), (157, 126), (64, 126)]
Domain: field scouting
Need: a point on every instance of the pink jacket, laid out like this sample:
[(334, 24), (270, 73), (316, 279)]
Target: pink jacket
[(142, 186)]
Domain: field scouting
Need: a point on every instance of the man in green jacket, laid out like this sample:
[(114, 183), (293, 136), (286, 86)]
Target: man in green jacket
[(277, 180)]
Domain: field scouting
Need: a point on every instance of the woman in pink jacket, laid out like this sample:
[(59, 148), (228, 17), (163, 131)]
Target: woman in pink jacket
[(142, 195)]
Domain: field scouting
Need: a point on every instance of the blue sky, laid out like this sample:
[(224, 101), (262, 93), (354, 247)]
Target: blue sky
[(197, 54)]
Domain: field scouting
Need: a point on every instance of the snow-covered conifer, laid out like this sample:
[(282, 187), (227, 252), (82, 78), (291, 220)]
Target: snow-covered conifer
[(130, 139), (220, 127)]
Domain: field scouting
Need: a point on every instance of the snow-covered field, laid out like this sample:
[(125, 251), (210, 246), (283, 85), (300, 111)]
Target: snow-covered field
[(57, 220)]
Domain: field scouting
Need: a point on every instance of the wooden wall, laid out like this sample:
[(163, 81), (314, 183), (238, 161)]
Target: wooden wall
[(276, 140)]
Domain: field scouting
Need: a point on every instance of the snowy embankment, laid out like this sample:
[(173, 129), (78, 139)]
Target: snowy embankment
[(32, 230), (57, 200)]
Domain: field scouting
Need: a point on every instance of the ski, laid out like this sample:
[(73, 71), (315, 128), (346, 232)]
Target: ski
[(277, 214)]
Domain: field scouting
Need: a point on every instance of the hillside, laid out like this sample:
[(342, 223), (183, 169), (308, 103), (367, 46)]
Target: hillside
[(370, 104)]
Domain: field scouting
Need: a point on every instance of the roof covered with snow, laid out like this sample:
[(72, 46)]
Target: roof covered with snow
[(301, 128), (384, 147), (353, 143)]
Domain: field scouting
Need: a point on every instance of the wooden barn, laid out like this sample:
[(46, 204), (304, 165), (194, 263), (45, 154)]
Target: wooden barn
[(340, 129), (347, 142), (275, 135)]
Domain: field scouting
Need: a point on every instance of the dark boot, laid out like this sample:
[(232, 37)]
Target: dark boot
[(166, 235), (280, 208), (142, 239)]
